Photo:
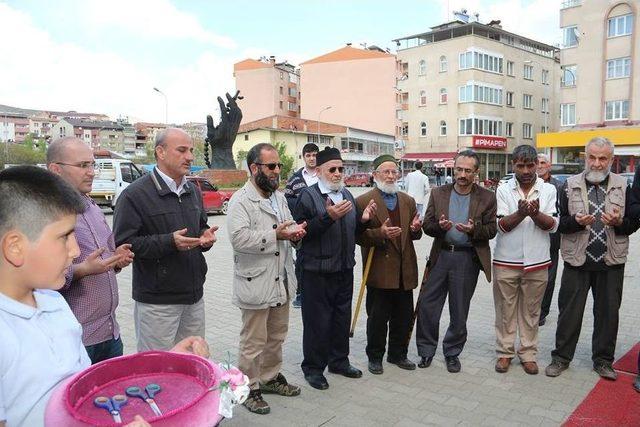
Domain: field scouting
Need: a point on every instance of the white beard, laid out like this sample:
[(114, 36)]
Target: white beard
[(387, 188), (596, 177), (333, 186)]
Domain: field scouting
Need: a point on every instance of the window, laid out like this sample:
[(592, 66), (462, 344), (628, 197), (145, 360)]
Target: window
[(474, 92), (527, 101), (293, 78), (405, 129), (480, 60), (620, 26), (569, 75), (281, 75), (617, 110), (481, 126), (63, 130), (545, 77), (570, 36), (528, 72), (443, 128), (293, 106), (508, 129), (510, 66), (544, 105), (443, 96), (567, 114), (509, 99), (617, 68), (527, 131), (281, 105), (422, 67), (423, 129), (443, 64), (246, 137), (281, 90), (293, 91), (544, 129), (423, 97)]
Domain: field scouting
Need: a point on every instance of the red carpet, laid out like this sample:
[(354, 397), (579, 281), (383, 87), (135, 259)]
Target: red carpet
[(612, 403), (629, 362)]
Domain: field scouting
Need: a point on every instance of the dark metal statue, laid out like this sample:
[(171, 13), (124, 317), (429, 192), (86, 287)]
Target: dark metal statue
[(222, 137)]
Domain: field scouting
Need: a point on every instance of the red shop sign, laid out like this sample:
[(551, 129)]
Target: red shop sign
[(490, 142)]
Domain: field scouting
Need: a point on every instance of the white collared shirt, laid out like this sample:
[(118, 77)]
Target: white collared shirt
[(178, 189), (527, 245), (41, 347), (335, 196), (309, 178)]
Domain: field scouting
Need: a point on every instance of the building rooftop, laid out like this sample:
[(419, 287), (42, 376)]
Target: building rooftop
[(348, 53), (492, 31), (93, 124), (250, 64)]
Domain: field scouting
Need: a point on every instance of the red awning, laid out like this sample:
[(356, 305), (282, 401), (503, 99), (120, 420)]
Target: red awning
[(429, 157)]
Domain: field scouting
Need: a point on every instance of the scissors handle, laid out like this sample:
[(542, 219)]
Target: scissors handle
[(152, 390)]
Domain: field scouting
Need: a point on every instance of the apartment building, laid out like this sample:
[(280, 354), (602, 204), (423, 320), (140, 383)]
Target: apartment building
[(269, 88), (358, 147), (465, 84), (599, 54), (352, 87), (97, 134)]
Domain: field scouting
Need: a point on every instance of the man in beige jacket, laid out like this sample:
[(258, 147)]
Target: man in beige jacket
[(262, 232)]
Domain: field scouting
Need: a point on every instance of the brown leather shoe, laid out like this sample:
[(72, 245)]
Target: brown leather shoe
[(530, 368), (502, 365)]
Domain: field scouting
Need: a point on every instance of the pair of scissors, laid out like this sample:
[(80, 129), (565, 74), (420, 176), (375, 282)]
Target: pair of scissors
[(112, 405), (151, 391)]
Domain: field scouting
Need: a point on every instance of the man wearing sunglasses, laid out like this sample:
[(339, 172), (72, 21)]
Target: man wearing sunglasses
[(91, 288), (393, 273), (328, 251), (301, 179), (262, 233)]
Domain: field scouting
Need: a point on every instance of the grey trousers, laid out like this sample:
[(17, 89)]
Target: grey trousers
[(162, 326), (455, 276)]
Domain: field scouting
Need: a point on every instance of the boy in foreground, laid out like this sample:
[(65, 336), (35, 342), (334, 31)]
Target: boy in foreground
[(41, 339)]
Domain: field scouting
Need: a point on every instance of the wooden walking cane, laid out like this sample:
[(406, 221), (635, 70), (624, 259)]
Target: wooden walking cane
[(415, 310), (363, 286)]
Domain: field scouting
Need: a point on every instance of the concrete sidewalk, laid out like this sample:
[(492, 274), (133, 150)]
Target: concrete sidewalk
[(476, 396)]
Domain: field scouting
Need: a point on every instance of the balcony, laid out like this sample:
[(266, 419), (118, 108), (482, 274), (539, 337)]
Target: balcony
[(570, 3)]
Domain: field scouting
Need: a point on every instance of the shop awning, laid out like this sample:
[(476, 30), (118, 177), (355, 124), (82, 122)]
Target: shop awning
[(579, 138), (447, 164), (429, 157)]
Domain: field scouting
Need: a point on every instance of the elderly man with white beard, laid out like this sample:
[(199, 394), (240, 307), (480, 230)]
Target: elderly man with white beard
[(393, 273), (328, 250), (594, 246)]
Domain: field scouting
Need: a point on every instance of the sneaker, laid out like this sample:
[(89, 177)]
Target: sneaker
[(256, 404), (297, 302), (605, 370), (279, 385), (555, 368)]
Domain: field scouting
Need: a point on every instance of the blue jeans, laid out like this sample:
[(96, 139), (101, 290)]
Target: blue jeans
[(105, 350)]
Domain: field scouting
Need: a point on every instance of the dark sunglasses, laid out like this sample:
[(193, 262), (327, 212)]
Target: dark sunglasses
[(338, 168), (271, 166)]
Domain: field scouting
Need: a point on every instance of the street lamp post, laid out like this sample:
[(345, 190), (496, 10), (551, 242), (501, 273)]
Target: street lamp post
[(166, 105), (318, 123)]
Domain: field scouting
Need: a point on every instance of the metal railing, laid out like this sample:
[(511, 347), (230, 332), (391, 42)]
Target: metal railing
[(570, 3)]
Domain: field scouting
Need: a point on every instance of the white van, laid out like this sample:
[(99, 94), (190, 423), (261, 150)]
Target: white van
[(112, 176)]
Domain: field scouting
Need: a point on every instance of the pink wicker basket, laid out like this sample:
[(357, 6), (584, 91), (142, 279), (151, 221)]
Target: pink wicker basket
[(186, 398)]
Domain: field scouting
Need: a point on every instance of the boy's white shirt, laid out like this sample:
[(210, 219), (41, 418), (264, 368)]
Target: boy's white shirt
[(40, 348)]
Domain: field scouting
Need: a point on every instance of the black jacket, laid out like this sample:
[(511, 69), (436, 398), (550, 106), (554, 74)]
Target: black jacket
[(146, 215), (295, 186)]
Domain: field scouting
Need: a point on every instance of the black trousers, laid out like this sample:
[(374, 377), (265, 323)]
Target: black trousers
[(606, 288), (551, 281), (455, 276), (392, 307), (299, 276), (326, 317)]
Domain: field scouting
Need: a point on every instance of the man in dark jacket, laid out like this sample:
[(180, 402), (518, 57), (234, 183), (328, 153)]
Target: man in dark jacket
[(328, 250), (301, 179), (162, 217)]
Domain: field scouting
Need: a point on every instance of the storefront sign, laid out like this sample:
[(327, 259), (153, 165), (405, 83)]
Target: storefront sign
[(489, 142)]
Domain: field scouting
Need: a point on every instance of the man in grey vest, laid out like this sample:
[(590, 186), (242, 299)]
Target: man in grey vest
[(328, 250), (594, 247)]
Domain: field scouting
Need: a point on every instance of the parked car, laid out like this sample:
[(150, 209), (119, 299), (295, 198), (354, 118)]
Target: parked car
[(359, 179), (214, 200), (112, 176)]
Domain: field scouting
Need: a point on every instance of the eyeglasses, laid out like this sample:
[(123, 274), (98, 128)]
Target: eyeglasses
[(271, 166), (82, 165), (336, 168), (389, 172)]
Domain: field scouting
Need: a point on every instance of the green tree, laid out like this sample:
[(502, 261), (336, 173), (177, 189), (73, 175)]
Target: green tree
[(19, 154), (285, 159), (240, 158)]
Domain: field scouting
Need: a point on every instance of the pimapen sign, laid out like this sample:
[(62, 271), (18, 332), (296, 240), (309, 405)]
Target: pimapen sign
[(489, 142)]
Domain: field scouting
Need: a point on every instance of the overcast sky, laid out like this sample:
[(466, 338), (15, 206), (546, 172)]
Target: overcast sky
[(106, 56)]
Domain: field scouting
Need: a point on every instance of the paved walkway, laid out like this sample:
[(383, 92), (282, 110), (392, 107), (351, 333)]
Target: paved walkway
[(476, 396)]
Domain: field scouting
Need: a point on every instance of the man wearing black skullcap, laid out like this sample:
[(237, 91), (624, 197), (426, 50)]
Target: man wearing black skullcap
[(393, 274), (328, 250)]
